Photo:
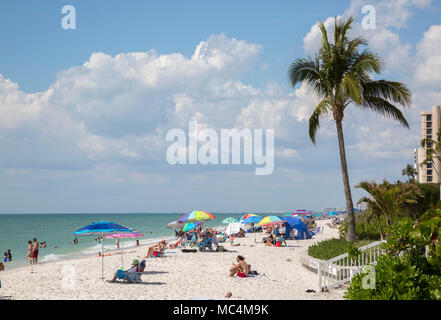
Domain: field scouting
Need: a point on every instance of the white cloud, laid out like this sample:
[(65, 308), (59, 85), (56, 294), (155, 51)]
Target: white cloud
[(428, 70)]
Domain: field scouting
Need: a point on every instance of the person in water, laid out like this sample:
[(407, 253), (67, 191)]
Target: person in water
[(29, 251), (34, 256)]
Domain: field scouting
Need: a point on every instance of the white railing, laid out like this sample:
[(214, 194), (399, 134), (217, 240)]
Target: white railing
[(339, 270)]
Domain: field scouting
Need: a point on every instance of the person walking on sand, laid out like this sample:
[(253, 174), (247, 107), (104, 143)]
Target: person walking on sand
[(29, 251), (35, 251)]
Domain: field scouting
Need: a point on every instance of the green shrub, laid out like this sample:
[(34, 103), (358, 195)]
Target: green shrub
[(396, 278), (405, 272), (364, 230), (331, 248)]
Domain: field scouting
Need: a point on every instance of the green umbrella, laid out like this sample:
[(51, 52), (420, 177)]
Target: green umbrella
[(190, 226), (230, 220)]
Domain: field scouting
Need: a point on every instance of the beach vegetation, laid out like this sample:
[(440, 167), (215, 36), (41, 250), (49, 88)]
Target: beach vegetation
[(409, 172), (341, 75), (331, 248), (409, 269), (389, 200)]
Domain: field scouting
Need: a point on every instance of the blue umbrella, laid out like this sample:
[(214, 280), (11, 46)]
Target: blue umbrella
[(355, 210), (252, 219), (332, 213), (102, 228)]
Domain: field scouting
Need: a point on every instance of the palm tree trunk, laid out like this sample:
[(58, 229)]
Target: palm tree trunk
[(351, 235)]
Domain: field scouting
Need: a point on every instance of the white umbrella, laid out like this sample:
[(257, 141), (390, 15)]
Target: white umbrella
[(175, 225)]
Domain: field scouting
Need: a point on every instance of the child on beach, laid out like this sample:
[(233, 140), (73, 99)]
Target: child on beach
[(29, 251), (2, 266), (9, 255)]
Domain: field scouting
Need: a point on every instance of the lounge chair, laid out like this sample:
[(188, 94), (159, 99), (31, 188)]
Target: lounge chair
[(158, 254), (223, 238), (190, 241), (205, 244), (133, 277)]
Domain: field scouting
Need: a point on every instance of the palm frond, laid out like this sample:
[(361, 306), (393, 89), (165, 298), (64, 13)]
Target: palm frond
[(314, 121), (389, 90), (384, 108)]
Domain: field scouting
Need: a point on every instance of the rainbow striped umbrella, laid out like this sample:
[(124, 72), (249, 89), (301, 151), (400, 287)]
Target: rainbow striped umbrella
[(247, 216), (270, 220), (196, 216)]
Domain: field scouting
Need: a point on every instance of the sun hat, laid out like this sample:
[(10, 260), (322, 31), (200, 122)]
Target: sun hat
[(135, 262)]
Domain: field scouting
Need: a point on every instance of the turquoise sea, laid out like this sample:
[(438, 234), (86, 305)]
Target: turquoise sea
[(57, 230)]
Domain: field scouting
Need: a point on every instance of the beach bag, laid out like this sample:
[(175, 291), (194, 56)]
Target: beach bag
[(220, 249)]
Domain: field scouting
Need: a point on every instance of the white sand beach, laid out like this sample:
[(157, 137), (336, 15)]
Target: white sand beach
[(183, 276)]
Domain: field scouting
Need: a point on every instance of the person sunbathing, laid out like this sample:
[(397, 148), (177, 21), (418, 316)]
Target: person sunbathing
[(241, 234), (241, 269), (134, 268), (157, 247)]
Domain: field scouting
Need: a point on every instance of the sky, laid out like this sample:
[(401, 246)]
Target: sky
[(84, 112)]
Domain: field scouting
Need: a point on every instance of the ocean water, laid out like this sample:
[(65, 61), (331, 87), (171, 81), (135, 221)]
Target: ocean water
[(57, 230)]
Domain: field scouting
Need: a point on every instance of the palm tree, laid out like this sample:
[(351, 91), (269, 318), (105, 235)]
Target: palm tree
[(410, 172), (389, 200), (341, 75), (433, 151)]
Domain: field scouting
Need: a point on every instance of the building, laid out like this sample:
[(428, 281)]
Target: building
[(430, 125)]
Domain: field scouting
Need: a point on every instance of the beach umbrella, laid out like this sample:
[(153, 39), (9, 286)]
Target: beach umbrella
[(175, 225), (270, 220), (190, 226), (247, 216), (122, 236), (196, 216), (332, 213), (101, 229), (302, 212), (230, 220), (252, 219)]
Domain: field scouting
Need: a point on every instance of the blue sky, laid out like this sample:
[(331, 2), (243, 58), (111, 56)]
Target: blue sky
[(79, 138)]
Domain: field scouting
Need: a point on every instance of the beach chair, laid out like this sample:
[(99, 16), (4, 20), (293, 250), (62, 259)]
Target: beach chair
[(190, 242), (223, 238), (141, 266), (205, 244), (132, 277), (158, 254)]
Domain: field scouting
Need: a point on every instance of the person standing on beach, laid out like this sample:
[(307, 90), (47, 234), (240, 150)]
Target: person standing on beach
[(29, 251), (9, 255), (35, 251)]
